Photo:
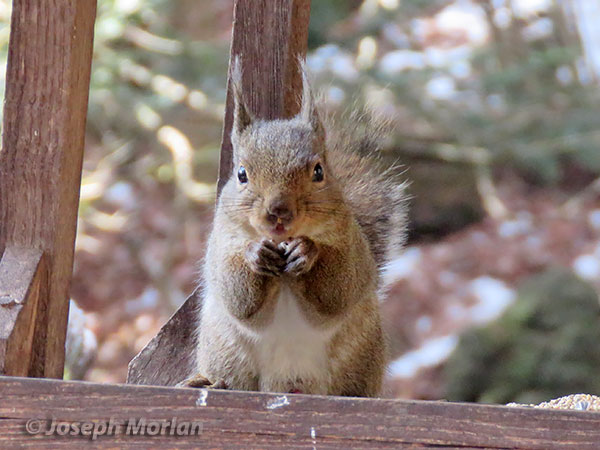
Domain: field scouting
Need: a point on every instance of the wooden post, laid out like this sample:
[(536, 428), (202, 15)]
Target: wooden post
[(47, 83), (269, 36)]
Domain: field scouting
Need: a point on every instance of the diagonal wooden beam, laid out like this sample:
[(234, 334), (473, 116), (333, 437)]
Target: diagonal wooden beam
[(169, 357), (47, 82), (23, 282), (269, 36)]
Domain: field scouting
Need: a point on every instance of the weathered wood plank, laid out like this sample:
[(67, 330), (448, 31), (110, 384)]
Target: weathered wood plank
[(169, 357), (45, 107), (261, 420), (22, 285), (269, 36)]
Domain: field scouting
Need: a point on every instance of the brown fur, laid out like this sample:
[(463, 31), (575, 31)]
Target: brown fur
[(341, 230)]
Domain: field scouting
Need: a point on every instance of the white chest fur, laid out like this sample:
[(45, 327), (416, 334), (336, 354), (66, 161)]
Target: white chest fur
[(290, 347)]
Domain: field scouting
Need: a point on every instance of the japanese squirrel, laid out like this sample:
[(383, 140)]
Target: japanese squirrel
[(291, 275)]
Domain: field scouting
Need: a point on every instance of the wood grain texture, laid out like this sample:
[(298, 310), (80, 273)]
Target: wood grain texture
[(268, 36), (22, 292), (259, 420), (45, 107), (169, 357)]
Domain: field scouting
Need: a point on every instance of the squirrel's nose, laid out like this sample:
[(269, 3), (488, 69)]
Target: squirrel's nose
[(279, 211)]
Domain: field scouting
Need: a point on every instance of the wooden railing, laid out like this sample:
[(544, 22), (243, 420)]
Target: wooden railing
[(250, 420)]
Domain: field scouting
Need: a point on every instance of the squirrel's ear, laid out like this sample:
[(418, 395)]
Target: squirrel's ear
[(308, 111), (241, 116)]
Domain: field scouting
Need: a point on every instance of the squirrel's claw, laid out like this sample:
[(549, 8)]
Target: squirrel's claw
[(264, 258), (301, 254)]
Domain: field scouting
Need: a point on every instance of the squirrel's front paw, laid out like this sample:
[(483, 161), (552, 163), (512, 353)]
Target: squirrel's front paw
[(300, 255), (264, 258)]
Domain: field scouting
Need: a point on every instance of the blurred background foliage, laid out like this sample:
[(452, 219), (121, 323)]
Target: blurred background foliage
[(495, 107), (544, 346)]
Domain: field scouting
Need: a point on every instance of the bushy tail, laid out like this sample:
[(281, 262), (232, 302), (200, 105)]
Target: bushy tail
[(374, 192)]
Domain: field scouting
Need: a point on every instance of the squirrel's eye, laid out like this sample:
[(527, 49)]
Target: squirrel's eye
[(318, 173), (242, 176)]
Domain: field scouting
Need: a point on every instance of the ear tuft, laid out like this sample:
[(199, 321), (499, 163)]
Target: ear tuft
[(242, 118), (308, 111)]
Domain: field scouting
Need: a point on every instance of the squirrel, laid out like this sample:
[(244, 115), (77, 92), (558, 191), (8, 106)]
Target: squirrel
[(291, 275)]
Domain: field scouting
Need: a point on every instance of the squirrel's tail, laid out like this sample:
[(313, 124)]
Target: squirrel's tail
[(373, 192)]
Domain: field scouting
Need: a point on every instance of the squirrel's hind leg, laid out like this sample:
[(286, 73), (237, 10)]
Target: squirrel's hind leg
[(200, 381)]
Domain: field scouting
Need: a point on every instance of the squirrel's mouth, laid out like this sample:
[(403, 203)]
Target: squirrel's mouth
[(279, 229), (279, 232)]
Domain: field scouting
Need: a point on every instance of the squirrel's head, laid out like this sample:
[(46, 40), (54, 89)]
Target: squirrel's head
[(280, 186)]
